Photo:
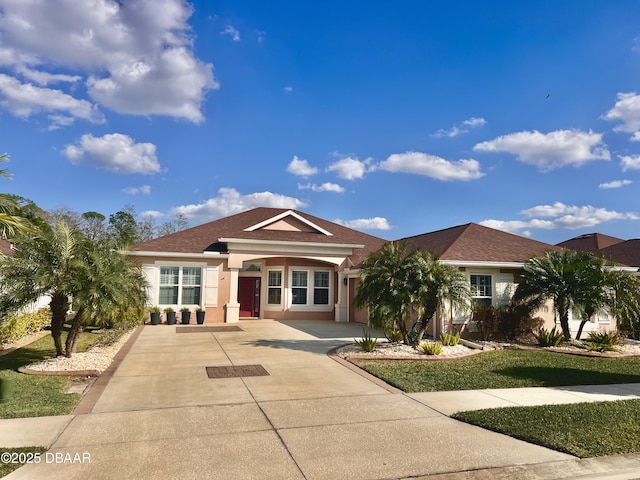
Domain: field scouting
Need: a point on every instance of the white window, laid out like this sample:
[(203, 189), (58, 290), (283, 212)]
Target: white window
[(310, 288), (274, 287), (481, 289), (299, 285), (321, 288), (180, 285)]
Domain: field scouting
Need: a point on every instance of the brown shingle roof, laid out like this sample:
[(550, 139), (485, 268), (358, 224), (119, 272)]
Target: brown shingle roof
[(590, 242), (473, 242), (205, 237), (626, 252)]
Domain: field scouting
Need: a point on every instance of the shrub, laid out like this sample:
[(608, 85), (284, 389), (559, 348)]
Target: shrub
[(484, 316), (393, 335), (431, 348), (449, 339), (548, 338), (19, 326), (367, 343), (602, 342), (513, 323)]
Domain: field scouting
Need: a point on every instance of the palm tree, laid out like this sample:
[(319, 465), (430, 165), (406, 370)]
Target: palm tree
[(45, 264), (610, 289), (385, 287), (109, 283), (436, 285), (580, 281), (11, 220)]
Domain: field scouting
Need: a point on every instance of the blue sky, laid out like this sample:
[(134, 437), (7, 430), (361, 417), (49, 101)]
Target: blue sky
[(395, 118)]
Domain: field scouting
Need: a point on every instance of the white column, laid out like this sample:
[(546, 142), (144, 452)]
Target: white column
[(341, 305), (233, 307)]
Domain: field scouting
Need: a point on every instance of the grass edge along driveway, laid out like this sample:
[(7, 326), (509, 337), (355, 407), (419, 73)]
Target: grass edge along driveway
[(503, 369)]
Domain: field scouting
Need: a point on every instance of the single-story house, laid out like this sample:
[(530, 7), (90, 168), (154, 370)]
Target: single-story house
[(288, 265), (263, 263)]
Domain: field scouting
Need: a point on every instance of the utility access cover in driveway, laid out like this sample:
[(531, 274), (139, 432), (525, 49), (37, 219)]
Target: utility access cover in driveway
[(237, 371)]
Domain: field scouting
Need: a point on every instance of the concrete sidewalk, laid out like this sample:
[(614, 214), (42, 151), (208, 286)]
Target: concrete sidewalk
[(160, 416)]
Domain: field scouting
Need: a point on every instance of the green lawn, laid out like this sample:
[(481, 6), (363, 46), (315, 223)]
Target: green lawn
[(27, 453), (38, 395), (503, 369), (580, 429)]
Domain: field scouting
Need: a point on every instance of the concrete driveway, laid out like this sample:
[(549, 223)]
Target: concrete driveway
[(161, 416)]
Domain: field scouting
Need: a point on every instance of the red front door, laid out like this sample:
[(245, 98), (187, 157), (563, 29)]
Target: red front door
[(249, 296)]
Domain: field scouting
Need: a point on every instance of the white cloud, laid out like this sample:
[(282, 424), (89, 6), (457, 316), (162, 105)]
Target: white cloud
[(615, 184), (325, 187), (151, 214), (635, 137), (559, 215), (144, 189), (45, 78), (350, 168), (431, 166), (627, 111), (232, 32), (136, 57), (475, 122), (115, 153), (456, 130), (229, 201), (375, 223), (552, 150), (288, 89), (629, 162), (301, 168), (26, 99)]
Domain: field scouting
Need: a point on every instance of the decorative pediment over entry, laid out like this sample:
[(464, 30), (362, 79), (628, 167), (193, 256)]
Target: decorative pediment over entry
[(289, 221)]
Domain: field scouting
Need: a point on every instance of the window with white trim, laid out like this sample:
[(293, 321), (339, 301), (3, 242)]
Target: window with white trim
[(481, 289), (299, 285), (321, 288), (274, 287), (180, 285), (310, 287)]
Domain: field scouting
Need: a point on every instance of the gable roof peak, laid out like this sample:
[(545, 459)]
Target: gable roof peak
[(285, 214)]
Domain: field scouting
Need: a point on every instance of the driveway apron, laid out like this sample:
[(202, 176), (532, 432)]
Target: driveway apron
[(161, 416)]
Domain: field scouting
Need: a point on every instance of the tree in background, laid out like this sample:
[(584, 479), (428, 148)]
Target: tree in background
[(123, 228), (92, 225)]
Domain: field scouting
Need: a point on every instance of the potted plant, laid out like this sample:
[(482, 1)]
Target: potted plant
[(171, 315), (200, 315), (155, 315), (186, 315)]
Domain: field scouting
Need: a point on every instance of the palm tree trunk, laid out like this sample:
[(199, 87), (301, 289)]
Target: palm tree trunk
[(423, 324), (74, 333), (564, 323), (58, 307), (582, 324)]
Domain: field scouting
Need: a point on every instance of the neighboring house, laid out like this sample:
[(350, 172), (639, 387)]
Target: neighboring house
[(493, 261), (263, 263)]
